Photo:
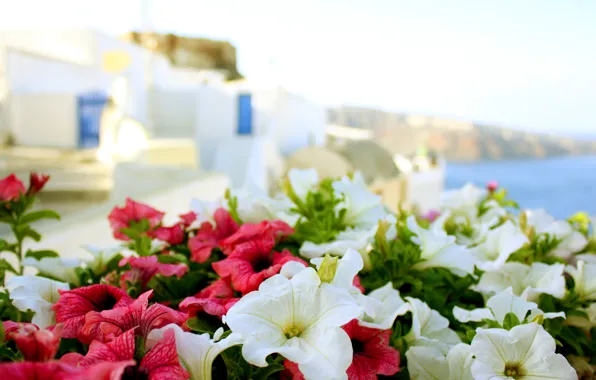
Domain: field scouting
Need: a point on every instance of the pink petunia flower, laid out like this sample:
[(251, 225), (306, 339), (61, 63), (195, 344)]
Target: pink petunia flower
[(11, 188), (432, 215), (74, 304), (143, 269), (173, 235), (492, 186), (188, 218), (35, 344), (160, 362), (248, 268), (122, 217), (207, 237), (63, 371), (372, 353), (216, 299), (36, 183), (105, 326), (251, 237)]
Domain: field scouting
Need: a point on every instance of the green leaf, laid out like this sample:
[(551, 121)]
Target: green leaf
[(264, 373), (3, 244), (175, 258), (200, 325), (38, 255), (38, 215), (510, 321)]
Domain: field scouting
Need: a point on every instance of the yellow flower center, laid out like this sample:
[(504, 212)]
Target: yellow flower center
[(514, 370), (293, 331)]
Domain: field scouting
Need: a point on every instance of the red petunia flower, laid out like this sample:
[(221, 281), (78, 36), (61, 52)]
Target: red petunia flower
[(160, 362), (250, 237), (36, 183), (291, 372), (188, 218), (431, 215), (492, 186), (143, 269), (173, 235), (207, 237), (247, 269), (10, 326), (216, 299), (63, 371), (35, 344), (11, 188), (122, 217), (356, 283), (74, 304), (372, 353), (107, 325)]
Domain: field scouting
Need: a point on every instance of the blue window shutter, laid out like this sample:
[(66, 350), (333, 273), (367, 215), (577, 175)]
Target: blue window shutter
[(89, 111), (245, 114)]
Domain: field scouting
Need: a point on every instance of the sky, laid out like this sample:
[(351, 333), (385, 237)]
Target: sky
[(529, 64)]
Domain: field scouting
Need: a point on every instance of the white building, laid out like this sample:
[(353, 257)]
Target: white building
[(239, 128)]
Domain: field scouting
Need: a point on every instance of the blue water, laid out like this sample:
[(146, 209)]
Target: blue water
[(562, 186)]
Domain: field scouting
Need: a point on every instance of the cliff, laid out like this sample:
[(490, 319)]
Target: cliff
[(456, 140), (190, 52)]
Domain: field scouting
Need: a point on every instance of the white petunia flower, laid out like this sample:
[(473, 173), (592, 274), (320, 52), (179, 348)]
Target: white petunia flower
[(299, 319), (439, 250), (463, 203), (380, 307), (363, 208), (501, 304), (37, 294), (292, 268), (101, 257), (584, 276), (500, 243), (428, 324), (524, 279), (255, 205), (204, 211), (582, 322), (429, 362), (197, 352), (524, 352), (357, 239), (62, 269), (303, 181), (382, 314), (572, 241)]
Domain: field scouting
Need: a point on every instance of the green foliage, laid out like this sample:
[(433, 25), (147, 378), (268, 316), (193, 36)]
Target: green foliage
[(233, 206), (510, 321), (204, 324), (539, 250), (232, 366), (394, 261), (320, 220), (38, 255), (499, 196)]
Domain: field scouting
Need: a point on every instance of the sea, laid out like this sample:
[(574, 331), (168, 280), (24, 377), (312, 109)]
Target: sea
[(562, 186)]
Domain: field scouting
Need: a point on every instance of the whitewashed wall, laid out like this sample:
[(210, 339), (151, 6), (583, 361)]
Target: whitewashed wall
[(173, 112), (135, 73), (58, 112), (30, 73)]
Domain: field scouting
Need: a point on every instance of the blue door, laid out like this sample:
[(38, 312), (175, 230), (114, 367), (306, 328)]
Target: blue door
[(245, 114), (90, 107)]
